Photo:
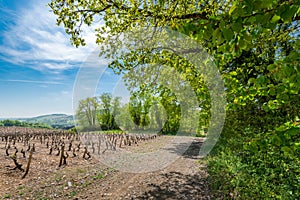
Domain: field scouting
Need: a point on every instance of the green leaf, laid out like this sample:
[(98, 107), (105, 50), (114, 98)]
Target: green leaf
[(251, 80), (272, 91), (232, 9), (276, 140), (271, 67), (242, 44), (282, 128), (217, 35), (251, 20), (288, 13), (261, 4), (263, 18), (228, 34), (287, 150), (275, 19), (260, 79), (237, 26), (293, 131)]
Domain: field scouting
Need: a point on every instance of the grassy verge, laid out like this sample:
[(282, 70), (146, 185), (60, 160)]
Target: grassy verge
[(257, 166)]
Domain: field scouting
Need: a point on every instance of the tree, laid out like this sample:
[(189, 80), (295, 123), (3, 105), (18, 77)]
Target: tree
[(115, 111), (98, 113), (87, 113), (109, 108), (124, 120), (234, 32), (104, 115), (158, 117)]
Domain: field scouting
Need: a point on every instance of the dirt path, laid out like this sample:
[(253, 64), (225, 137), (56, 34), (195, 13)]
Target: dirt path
[(182, 179)]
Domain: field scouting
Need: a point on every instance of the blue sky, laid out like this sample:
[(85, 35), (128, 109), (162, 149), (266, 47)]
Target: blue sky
[(38, 66)]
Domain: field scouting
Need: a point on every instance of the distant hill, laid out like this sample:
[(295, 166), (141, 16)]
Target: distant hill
[(62, 121)]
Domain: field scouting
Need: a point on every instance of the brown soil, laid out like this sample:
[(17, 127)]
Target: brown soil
[(90, 179)]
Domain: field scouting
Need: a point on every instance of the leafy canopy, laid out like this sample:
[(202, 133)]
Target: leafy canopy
[(255, 44)]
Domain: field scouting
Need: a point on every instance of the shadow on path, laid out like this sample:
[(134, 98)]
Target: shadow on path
[(192, 149), (176, 185)]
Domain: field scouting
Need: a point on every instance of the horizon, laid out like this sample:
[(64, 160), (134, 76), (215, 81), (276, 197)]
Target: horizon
[(26, 117)]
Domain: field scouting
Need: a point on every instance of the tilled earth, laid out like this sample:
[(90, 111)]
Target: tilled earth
[(185, 178)]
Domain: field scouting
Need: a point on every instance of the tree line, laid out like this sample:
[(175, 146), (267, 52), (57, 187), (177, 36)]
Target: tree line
[(141, 113), (9, 122)]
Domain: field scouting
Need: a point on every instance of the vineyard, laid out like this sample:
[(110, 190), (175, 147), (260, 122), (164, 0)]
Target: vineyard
[(32, 154)]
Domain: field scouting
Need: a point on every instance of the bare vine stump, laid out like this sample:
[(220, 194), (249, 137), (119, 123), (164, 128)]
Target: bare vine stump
[(86, 153), (70, 146), (28, 164), (74, 154), (6, 151), (65, 158), (93, 147), (121, 142), (28, 149), (58, 152), (17, 165), (23, 152), (62, 156)]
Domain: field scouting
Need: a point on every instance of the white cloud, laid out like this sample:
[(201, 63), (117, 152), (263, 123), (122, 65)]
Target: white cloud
[(35, 40)]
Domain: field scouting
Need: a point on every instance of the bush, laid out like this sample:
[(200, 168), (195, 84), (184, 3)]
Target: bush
[(259, 166)]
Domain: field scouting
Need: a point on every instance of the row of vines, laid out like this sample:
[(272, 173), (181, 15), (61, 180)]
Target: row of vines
[(20, 144)]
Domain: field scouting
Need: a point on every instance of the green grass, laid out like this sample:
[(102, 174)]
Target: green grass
[(21, 187), (7, 196), (85, 184), (72, 194), (98, 176), (256, 166)]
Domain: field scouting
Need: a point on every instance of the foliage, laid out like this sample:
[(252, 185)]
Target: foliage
[(98, 113), (107, 113), (87, 112), (109, 108), (9, 122), (266, 167), (73, 130), (255, 44)]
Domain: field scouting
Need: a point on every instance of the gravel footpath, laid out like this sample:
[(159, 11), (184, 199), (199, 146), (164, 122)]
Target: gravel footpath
[(184, 178)]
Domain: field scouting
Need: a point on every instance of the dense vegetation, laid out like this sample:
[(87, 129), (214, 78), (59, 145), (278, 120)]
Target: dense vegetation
[(97, 113), (107, 113), (18, 123), (57, 121), (255, 44)]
